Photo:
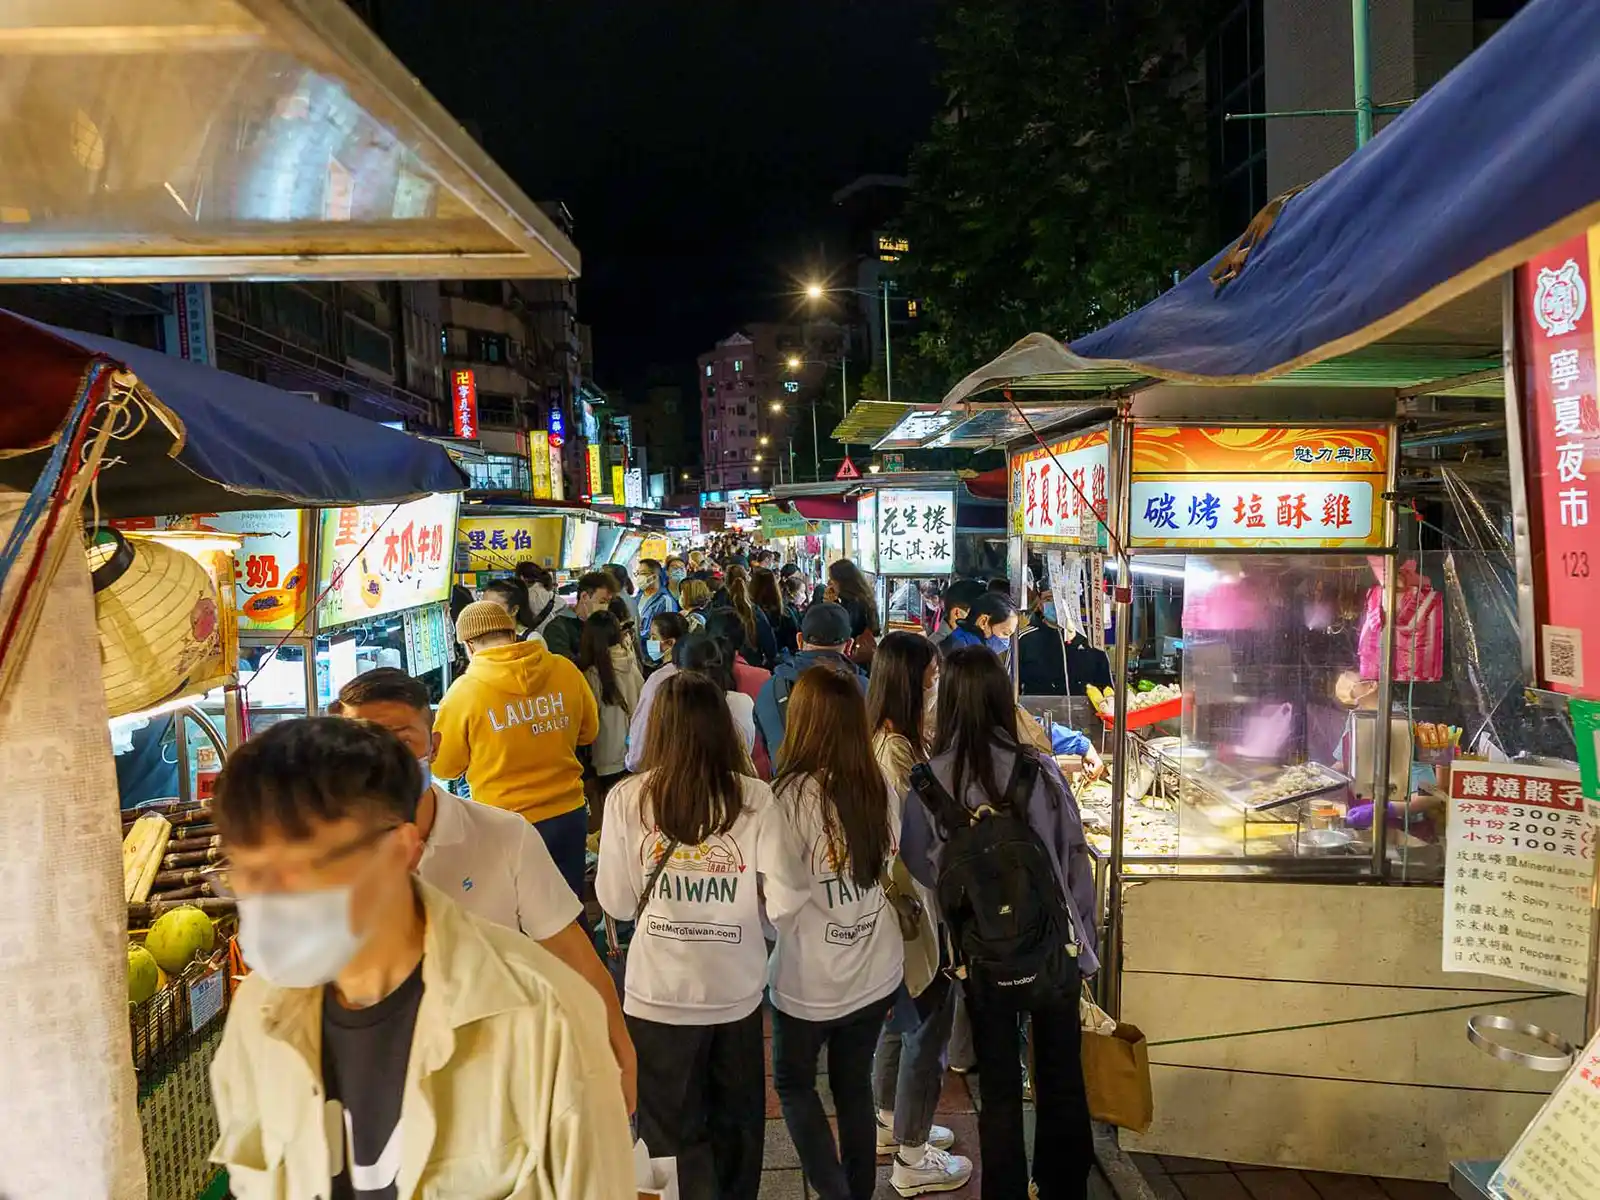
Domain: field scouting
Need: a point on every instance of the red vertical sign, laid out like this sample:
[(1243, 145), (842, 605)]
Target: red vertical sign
[(464, 403), (1561, 449)]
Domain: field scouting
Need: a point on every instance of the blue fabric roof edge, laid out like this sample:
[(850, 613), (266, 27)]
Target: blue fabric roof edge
[(1490, 166), (219, 442)]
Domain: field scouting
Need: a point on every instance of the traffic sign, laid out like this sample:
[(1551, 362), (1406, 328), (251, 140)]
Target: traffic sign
[(847, 470)]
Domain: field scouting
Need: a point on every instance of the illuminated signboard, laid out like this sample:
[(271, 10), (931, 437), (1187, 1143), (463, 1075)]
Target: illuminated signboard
[(1258, 487), (597, 477), (500, 543), (1057, 492), (539, 458), (382, 558), (558, 426), (464, 403), (915, 532)]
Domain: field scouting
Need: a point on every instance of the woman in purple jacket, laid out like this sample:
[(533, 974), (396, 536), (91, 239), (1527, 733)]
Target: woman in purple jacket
[(974, 754)]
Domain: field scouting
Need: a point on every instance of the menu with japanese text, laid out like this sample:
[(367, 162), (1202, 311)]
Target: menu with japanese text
[(1558, 1155), (1518, 868)]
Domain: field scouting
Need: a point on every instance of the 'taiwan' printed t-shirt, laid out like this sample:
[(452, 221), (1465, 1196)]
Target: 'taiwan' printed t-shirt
[(697, 956)]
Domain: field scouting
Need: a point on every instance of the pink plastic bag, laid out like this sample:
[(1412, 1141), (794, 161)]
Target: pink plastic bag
[(1418, 634)]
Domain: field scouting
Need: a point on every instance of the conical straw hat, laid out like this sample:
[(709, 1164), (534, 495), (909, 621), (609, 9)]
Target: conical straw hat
[(158, 621)]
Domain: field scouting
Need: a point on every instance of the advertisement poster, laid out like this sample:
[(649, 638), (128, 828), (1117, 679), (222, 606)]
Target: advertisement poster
[(1057, 493), (776, 523), (1519, 864), (464, 403), (384, 558), (270, 576), (500, 543), (1558, 1156), (1556, 333), (916, 532), (539, 463), (1258, 487)]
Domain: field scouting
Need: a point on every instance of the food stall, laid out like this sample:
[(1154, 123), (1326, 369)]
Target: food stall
[(155, 434), (1367, 706)]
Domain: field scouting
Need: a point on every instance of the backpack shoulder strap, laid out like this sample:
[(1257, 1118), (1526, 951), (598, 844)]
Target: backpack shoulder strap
[(938, 800), (780, 691), (1024, 774)]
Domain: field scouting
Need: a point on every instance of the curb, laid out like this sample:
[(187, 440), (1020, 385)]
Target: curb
[(1121, 1172)]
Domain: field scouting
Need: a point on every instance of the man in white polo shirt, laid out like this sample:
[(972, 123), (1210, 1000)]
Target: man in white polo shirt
[(488, 860)]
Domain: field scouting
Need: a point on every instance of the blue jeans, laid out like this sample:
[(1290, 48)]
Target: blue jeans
[(566, 837), (908, 1069)]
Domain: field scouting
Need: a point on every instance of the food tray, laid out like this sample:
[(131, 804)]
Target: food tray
[(1321, 779), (1138, 718)]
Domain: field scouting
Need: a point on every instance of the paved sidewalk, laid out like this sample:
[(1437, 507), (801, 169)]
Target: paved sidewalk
[(1202, 1179)]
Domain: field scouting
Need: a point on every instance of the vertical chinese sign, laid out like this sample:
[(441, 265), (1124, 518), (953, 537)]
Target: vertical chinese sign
[(1556, 334), (1519, 863), (619, 486), (464, 403), (597, 478), (385, 558), (1258, 487), (916, 532), (539, 462), (1059, 492)]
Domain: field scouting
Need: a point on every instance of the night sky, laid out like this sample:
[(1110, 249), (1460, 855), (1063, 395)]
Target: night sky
[(698, 143)]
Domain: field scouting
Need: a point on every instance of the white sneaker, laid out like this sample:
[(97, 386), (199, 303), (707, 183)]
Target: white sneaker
[(939, 1138), (937, 1172)]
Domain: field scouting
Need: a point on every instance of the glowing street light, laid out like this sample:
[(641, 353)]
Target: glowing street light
[(758, 458), (777, 407), (814, 291), (764, 439), (794, 363)]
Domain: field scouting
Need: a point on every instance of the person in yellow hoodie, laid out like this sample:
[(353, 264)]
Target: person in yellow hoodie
[(513, 724)]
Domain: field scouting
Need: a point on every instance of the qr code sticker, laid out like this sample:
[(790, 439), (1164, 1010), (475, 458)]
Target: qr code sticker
[(1563, 655)]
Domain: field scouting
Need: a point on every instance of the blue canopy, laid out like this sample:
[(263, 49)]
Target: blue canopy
[(214, 441), (1492, 164)]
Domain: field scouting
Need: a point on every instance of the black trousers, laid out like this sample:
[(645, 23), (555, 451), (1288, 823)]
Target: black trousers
[(1063, 1139), (702, 1099), (848, 1171)]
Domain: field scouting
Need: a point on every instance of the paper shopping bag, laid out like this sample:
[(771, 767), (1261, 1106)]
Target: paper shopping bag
[(1116, 1072)]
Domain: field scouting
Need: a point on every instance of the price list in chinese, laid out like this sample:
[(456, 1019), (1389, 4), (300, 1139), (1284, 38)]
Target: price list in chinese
[(1518, 869), (916, 532), (1558, 1155)]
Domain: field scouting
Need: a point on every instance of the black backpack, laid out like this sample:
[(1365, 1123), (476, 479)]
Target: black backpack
[(1011, 933)]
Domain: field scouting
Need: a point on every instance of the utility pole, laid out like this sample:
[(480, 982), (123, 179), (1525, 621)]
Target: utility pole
[(1360, 35), (888, 373)]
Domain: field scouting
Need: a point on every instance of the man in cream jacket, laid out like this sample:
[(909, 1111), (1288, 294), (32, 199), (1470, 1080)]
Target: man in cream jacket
[(389, 1045)]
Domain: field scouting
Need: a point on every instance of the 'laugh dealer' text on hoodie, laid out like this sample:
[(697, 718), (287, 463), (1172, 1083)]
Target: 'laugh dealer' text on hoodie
[(697, 956), (513, 724)]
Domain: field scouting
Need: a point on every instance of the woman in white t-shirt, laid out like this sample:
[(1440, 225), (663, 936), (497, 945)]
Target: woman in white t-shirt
[(838, 959), (710, 657), (681, 848)]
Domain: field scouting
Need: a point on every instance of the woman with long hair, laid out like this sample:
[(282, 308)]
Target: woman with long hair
[(975, 762), (724, 625), (839, 948), (767, 599), (908, 1067), (614, 678), (849, 587), (666, 631), (761, 645), (681, 849), (706, 655)]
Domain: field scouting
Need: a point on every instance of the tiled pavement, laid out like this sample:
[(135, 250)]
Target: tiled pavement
[(1202, 1179)]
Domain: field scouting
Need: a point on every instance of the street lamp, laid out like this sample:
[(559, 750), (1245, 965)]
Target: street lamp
[(777, 407), (816, 291)]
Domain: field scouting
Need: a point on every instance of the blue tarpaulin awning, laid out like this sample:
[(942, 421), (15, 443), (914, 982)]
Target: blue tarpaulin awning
[(1494, 163), (213, 441)]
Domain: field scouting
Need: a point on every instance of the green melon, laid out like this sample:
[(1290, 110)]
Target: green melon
[(143, 975), (178, 936)]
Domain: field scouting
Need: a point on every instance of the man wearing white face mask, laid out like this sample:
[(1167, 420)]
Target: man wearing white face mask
[(489, 861), (380, 1048)]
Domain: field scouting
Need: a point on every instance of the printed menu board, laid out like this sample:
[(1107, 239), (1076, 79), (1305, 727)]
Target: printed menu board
[(1518, 868), (1058, 491), (916, 532), (1558, 1156)]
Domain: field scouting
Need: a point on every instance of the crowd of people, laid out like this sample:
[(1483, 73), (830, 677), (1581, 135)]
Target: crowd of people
[(781, 806)]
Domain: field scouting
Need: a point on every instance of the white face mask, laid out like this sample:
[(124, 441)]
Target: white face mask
[(298, 939)]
